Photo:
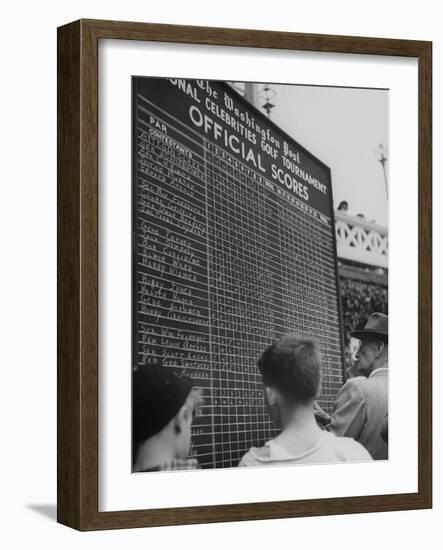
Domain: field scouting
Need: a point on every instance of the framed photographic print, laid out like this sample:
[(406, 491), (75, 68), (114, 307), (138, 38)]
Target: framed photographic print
[(244, 231)]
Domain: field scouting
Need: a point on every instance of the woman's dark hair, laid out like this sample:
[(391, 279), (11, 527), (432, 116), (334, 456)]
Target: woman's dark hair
[(292, 366)]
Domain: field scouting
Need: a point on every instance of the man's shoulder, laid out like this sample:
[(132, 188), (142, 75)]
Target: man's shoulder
[(362, 383), (347, 449), (356, 382), (377, 381), (255, 456), (365, 389), (354, 386)]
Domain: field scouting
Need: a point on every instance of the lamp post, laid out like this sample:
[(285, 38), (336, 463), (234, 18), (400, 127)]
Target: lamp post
[(382, 157), (267, 93)]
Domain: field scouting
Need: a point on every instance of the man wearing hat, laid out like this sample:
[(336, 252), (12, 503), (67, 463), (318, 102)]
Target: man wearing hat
[(361, 407), (163, 407)]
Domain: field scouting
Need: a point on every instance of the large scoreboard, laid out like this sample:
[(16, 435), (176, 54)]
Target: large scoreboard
[(233, 247)]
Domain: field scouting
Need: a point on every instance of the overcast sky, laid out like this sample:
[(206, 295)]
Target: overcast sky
[(343, 127)]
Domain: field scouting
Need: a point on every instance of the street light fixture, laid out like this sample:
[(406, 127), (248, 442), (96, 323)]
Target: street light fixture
[(267, 93), (382, 157)]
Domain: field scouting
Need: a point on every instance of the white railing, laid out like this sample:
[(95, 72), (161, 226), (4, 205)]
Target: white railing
[(361, 241)]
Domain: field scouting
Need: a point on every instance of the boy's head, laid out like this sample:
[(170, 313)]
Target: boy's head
[(291, 368), (162, 403)]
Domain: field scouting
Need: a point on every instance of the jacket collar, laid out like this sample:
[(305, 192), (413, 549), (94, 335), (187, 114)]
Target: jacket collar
[(380, 371)]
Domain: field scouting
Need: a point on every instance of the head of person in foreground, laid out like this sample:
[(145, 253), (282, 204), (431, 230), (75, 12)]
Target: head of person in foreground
[(163, 407), (290, 371), (291, 375)]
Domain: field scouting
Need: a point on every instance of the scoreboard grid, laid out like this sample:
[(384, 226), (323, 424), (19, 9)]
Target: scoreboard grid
[(225, 262)]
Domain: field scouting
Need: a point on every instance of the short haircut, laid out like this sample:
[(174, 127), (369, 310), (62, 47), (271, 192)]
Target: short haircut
[(292, 366)]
